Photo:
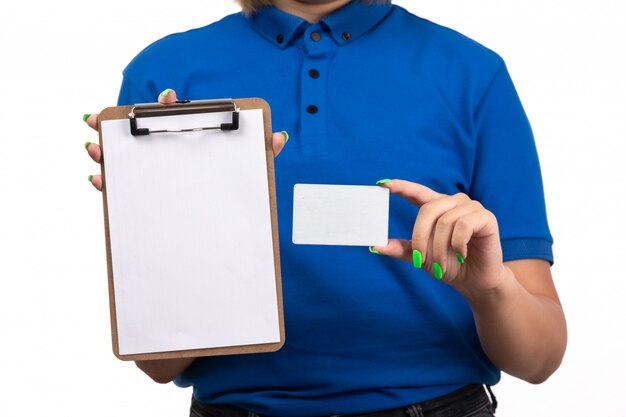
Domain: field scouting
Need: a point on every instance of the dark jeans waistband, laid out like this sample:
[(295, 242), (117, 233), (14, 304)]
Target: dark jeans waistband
[(462, 402)]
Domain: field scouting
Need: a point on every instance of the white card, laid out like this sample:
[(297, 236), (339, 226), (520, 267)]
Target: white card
[(350, 215)]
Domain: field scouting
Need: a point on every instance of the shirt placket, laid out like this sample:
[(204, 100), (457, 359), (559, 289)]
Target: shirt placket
[(319, 50)]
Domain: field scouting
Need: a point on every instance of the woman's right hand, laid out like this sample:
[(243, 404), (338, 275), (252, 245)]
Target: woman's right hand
[(166, 97)]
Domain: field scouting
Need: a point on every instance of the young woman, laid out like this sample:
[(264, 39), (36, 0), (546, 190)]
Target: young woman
[(369, 91)]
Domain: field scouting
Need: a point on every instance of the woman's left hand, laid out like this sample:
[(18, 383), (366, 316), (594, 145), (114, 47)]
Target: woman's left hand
[(455, 239)]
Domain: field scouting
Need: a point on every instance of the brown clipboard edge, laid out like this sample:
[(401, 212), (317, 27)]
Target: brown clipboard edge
[(121, 112)]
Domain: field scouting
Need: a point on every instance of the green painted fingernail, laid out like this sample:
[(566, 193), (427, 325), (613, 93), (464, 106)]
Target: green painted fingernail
[(385, 181), (417, 258), (167, 92), (89, 178), (459, 257), (85, 117), (87, 144), (374, 251), (437, 271), (284, 132)]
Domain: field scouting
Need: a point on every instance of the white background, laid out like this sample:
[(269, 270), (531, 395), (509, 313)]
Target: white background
[(61, 59)]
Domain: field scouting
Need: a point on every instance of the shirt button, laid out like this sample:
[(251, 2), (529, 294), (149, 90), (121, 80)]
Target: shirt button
[(313, 73), (311, 109), (280, 38), (315, 36), (345, 36)]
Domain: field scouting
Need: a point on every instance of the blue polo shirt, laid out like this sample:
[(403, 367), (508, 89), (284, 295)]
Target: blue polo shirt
[(370, 92)]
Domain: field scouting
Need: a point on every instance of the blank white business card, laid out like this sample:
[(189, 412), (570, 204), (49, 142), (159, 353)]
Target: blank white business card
[(348, 215)]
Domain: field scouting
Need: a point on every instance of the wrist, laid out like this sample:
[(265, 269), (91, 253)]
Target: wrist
[(488, 298)]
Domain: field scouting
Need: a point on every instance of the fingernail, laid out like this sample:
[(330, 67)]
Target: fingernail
[(374, 251), (459, 257), (284, 132), (89, 178), (85, 117), (417, 258), (385, 181), (167, 92), (87, 144), (437, 271)]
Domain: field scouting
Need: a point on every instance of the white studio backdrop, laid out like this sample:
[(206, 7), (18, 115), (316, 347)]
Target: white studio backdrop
[(63, 59)]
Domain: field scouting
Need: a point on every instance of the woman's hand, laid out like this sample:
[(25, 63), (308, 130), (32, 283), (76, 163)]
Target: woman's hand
[(518, 316), (454, 238), (166, 97)]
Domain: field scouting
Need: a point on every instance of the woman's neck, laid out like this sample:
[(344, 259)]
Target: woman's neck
[(311, 10)]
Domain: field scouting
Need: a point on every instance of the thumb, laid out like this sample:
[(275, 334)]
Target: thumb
[(396, 248), (417, 194), (168, 96)]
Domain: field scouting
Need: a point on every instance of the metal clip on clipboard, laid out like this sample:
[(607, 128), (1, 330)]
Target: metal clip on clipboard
[(183, 107)]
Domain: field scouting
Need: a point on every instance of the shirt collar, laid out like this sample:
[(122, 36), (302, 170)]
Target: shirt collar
[(345, 24), (354, 19)]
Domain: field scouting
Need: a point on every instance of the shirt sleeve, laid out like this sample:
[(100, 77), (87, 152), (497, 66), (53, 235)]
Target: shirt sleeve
[(507, 176), (130, 94)]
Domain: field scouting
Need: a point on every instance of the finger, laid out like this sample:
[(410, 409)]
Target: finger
[(417, 194), (396, 248), (91, 120), (427, 217), (401, 249), (279, 140), (93, 149), (477, 224), (168, 96), (96, 181), (442, 233)]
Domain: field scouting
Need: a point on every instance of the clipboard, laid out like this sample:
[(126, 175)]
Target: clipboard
[(191, 229)]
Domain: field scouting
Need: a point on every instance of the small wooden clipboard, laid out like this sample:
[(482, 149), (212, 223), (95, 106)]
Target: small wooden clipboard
[(213, 303)]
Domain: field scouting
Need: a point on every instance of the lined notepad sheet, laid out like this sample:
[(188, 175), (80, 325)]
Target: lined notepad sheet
[(190, 231)]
